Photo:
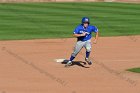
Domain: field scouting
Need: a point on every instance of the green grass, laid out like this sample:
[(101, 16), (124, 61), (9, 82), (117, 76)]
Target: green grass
[(137, 70), (57, 20)]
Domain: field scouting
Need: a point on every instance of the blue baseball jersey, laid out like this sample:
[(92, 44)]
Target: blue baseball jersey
[(81, 29)]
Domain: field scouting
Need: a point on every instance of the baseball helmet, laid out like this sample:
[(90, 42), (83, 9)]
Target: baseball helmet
[(85, 20)]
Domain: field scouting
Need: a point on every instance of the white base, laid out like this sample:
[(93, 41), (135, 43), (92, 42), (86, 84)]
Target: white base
[(59, 60)]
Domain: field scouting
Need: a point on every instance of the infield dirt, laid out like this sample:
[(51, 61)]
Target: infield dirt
[(28, 66)]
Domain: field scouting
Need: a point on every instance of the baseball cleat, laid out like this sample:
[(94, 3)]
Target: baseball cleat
[(88, 61), (69, 63)]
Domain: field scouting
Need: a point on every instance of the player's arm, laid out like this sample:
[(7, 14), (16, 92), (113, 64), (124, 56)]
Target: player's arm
[(79, 35), (96, 37), (76, 33), (95, 30)]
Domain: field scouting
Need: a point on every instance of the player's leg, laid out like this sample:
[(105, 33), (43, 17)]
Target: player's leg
[(79, 45), (88, 50)]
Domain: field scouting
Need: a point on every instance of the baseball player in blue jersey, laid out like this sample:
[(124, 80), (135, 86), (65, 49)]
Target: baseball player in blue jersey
[(83, 33)]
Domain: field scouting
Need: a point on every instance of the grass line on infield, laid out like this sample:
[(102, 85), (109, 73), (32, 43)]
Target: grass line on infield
[(137, 70)]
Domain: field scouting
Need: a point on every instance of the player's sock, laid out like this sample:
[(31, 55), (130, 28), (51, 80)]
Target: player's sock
[(71, 58), (87, 54)]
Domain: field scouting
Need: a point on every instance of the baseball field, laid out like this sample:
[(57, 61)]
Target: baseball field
[(34, 35)]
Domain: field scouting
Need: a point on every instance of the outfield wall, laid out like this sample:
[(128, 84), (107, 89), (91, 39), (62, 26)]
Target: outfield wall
[(133, 1)]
